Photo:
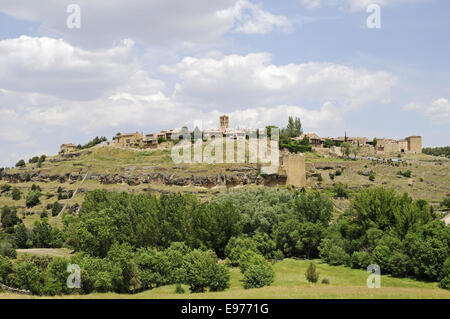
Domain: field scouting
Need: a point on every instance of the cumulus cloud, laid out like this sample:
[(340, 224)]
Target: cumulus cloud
[(438, 110), (54, 67), (236, 81), (104, 22)]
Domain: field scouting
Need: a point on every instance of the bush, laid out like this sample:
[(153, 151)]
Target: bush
[(220, 278), (179, 289), (258, 275), (325, 281), (372, 176), (44, 214), (360, 260), (202, 272), (15, 193), (5, 188), (28, 276), (445, 283), (6, 268), (445, 204), (319, 178), (56, 208), (340, 190), (249, 258), (32, 198), (311, 274)]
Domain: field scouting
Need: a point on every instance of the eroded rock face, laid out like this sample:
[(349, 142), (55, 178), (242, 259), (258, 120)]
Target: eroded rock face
[(230, 178)]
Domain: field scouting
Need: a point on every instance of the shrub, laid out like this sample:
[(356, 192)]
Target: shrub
[(325, 281), (445, 283), (249, 258), (220, 278), (32, 198), (44, 214), (6, 268), (28, 276), (331, 176), (179, 289), (311, 274), (341, 190), (15, 193), (258, 275), (202, 272), (5, 188), (445, 204), (319, 178), (9, 217), (360, 260), (56, 209), (372, 176)]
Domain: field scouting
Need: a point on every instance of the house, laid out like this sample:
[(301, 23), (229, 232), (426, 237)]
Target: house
[(131, 139), (67, 148)]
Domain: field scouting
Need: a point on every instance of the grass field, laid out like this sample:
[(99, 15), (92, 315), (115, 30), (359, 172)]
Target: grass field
[(290, 283)]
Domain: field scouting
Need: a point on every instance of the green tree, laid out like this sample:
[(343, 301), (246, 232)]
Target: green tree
[(20, 163), (311, 273), (21, 236), (16, 194), (258, 275)]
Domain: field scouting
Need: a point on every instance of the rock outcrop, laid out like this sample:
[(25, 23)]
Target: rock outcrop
[(230, 178)]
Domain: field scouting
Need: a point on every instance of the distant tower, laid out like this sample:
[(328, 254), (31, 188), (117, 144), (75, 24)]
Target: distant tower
[(224, 121)]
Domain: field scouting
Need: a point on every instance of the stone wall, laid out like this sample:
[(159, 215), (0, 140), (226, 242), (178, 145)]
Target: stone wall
[(294, 167)]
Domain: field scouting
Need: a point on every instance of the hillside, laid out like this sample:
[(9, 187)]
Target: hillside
[(153, 171)]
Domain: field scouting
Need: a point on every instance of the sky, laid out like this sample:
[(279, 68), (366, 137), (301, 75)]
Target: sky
[(150, 65)]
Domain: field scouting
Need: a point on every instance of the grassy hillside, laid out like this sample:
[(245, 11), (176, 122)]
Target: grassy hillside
[(290, 282), (430, 175)]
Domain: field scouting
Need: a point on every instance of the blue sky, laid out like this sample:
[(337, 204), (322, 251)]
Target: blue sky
[(151, 65)]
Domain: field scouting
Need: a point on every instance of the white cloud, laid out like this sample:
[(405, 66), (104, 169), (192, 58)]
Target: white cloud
[(236, 81), (104, 22), (51, 66), (353, 5), (251, 19), (438, 110)]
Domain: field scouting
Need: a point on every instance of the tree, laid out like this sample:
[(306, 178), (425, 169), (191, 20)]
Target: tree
[(294, 127), (346, 148), (20, 163), (21, 236), (16, 194), (32, 198), (258, 275), (9, 217), (6, 268), (311, 274), (28, 276), (202, 272)]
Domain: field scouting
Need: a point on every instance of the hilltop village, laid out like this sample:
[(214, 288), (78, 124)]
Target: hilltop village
[(322, 145)]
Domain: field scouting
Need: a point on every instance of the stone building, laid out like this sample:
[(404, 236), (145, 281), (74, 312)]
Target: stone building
[(224, 123), (131, 139), (414, 144), (67, 148), (411, 144)]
